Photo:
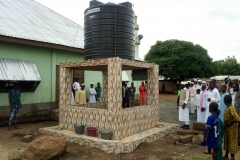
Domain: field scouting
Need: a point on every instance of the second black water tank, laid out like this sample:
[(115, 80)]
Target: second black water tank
[(109, 31)]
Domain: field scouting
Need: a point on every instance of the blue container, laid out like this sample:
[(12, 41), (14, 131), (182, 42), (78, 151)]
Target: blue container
[(106, 134), (79, 128)]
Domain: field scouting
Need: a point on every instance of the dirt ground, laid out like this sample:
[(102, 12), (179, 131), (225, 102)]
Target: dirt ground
[(157, 150)]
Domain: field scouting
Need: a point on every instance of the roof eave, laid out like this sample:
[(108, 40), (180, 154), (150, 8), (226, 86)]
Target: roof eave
[(39, 44)]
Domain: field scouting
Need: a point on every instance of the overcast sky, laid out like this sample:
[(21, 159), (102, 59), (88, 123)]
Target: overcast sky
[(214, 24)]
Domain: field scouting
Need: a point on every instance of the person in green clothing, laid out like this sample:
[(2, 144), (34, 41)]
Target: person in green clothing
[(178, 93), (220, 135), (99, 91), (14, 105)]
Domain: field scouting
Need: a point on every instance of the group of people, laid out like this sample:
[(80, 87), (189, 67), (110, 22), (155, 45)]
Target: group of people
[(79, 93), (128, 95), (216, 106)]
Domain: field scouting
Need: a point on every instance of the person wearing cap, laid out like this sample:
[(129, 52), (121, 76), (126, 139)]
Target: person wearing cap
[(75, 87), (195, 83), (199, 86), (92, 94), (192, 92), (184, 105), (213, 96), (14, 105), (81, 95)]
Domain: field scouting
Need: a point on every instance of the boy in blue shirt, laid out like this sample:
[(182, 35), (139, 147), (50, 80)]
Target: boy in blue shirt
[(211, 131), (14, 105)]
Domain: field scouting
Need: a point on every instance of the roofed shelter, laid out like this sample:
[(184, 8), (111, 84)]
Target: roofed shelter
[(122, 122)]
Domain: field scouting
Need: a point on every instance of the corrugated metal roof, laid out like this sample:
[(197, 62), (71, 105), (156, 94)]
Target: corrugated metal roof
[(225, 76), (234, 77), (27, 19), (17, 70), (219, 77)]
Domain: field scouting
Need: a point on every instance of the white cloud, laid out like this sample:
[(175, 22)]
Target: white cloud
[(212, 24)]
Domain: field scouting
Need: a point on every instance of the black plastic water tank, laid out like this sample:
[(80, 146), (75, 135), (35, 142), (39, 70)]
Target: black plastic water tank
[(109, 31)]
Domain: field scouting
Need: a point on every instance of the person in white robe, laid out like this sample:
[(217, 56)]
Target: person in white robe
[(232, 92), (195, 83), (213, 96), (197, 98), (184, 105), (199, 85), (92, 94), (72, 99), (76, 86), (192, 92), (201, 111)]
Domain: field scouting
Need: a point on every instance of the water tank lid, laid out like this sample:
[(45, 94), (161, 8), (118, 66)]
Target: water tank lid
[(124, 4), (127, 4), (95, 3)]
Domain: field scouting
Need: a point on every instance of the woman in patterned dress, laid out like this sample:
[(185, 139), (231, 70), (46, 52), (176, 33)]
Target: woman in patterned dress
[(231, 120)]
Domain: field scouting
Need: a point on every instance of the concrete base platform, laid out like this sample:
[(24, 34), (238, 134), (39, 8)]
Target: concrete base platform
[(126, 145)]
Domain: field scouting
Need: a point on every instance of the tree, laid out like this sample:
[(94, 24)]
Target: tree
[(218, 67), (230, 66), (180, 60)]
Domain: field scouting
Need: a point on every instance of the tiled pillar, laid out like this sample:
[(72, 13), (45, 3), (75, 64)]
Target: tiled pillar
[(104, 86), (114, 85), (65, 87), (152, 86)]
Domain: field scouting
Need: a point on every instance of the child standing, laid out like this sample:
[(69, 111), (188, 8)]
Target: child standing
[(220, 136), (211, 131), (231, 120)]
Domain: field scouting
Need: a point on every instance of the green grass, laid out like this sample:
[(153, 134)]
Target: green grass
[(196, 158)]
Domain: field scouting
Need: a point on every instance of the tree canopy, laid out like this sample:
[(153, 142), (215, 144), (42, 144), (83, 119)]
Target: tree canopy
[(228, 66), (180, 59)]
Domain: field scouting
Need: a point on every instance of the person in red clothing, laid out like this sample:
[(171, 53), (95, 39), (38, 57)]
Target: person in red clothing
[(142, 90)]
